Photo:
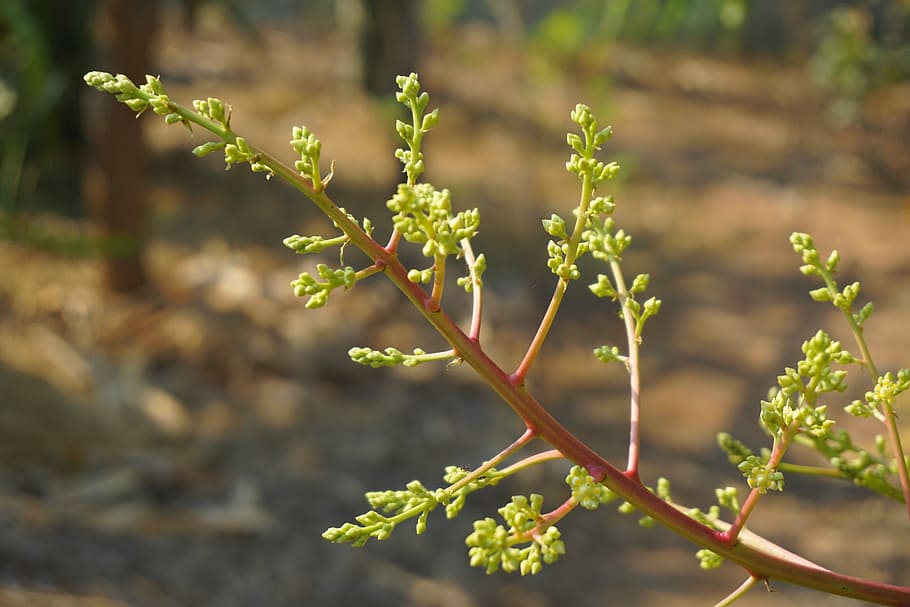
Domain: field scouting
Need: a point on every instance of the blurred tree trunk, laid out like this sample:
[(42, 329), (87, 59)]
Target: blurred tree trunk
[(117, 183), (389, 43)]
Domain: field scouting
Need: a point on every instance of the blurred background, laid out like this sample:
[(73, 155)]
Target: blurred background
[(177, 430)]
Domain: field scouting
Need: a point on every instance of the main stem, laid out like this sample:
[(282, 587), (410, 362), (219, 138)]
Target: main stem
[(762, 558)]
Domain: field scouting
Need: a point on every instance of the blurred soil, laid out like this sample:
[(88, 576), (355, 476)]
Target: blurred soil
[(187, 446)]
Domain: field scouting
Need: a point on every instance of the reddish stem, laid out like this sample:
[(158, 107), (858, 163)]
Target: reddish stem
[(777, 454), (476, 290), (760, 557), (632, 339)]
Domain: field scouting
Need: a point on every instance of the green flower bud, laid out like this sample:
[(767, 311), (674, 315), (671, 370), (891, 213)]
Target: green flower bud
[(404, 130), (555, 226), (603, 135), (728, 497), (607, 354), (137, 105), (409, 84), (207, 148), (422, 101), (216, 109), (821, 294), (97, 79), (708, 559), (603, 287), (430, 120), (575, 142), (663, 488), (154, 85)]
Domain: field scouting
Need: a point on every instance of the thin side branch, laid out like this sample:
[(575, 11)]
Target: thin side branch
[(632, 366)]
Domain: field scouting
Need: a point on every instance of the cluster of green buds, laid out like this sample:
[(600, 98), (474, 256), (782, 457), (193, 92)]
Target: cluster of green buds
[(604, 243), (391, 357), (595, 232), (396, 506), (214, 109), (865, 469), (305, 143), (883, 394), (792, 407), (814, 375), (792, 412), (879, 402), (218, 112), (708, 559), (458, 489), (641, 311), (814, 266), (327, 279), (416, 500), (474, 276), (788, 414), (318, 287), (582, 163), (416, 101), (599, 234), (568, 247), (137, 98), (756, 469), (760, 475), (587, 493), (727, 497), (560, 253), (236, 149), (423, 215), (240, 152), (873, 470), (212, 114), (313, 244), (524, 547)]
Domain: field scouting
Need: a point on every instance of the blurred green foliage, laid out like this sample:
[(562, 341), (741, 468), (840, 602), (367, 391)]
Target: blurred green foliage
[(853, 48), (704, 24), (440, 15), (861, 49), (42, 46)]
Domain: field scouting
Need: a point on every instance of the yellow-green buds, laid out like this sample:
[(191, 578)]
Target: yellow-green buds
[(318, 290), (588, 493), (760, 476), (708, 559), (412, 134), (493, 547)]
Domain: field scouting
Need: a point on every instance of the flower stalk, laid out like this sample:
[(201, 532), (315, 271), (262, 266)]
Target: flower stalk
[(424, 216)]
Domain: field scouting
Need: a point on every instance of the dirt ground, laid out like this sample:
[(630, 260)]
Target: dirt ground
[(188, 446)]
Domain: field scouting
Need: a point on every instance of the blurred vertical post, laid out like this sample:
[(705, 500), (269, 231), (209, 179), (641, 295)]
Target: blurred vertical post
[(117, 180), (390, 43)]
